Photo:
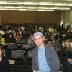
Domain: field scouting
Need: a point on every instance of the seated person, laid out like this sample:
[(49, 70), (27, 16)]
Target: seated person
[(4, 64), (30, 41), (11, 38), (66, 56), (18, 36), (50, 43)]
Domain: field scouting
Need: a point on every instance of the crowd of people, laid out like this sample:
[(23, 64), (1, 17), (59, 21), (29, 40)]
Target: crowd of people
[(58, 37)]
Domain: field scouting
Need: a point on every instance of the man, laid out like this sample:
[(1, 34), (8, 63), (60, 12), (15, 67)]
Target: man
[(44, 58)]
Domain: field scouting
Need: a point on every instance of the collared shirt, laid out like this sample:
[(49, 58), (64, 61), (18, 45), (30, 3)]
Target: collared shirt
[(42, 63)]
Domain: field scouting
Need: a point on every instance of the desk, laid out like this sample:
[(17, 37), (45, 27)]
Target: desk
[(25, 51), (25, 66)]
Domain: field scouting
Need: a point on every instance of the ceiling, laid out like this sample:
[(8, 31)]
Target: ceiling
[(35, 5)]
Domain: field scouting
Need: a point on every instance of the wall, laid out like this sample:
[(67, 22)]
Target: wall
[(70, 17), (0, 18), (67, 17), (31, 17)]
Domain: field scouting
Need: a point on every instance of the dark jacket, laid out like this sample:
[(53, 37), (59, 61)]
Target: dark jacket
[(66, 53), (51, 57), (4, 65)]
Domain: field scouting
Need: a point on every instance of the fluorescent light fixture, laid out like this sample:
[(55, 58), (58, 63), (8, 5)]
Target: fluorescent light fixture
[(64, 8), (60, 4), (31, 10), (7, 9), (14, 2), (59, 8), (12, 7), (49, 10), (22, 9), (45, 3), (30, 3), (69, 0), (31, 7), (3, 2), (53, 7), (40, 10), (69, 4), (42, 7), (1, 7)]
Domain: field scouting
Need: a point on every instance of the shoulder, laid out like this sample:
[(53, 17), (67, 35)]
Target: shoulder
[(49, 48)]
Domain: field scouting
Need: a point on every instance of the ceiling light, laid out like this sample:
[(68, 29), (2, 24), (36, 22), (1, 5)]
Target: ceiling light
[(69, 4), (42, 7), (40, 10), (30, 3), (53, 7), (45, 3), (32, 7), (22, 9), (14, 2), (64, 8), (3, 9), (49, 10), (9, 7), (3, 2), (60, 4), (1, 6)]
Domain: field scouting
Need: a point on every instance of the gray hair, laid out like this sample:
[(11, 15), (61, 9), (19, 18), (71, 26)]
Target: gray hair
[(37, 33)]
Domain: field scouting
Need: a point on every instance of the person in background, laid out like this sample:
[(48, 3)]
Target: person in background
[(49, 43), (56, 44), (4, 64), (30, 41), (5, 36), (11, 38), (66, 56), (18, 35), (44, 58), (2, 40)]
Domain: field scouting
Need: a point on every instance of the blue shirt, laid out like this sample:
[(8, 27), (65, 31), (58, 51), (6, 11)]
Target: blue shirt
[(42, 63)]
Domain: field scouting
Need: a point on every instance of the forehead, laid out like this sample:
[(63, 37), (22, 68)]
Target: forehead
[(38, 36), (66, 42)]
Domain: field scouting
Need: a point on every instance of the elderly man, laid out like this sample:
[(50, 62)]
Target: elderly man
[(44, 58)]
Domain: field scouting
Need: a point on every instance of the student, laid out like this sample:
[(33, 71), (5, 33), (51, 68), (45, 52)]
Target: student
[(66, 56), (44, 58), (4, 64)]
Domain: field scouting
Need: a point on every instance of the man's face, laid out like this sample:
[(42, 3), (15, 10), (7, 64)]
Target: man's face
[(67, 44), (10, 36), (39, 40), (52, 38)]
